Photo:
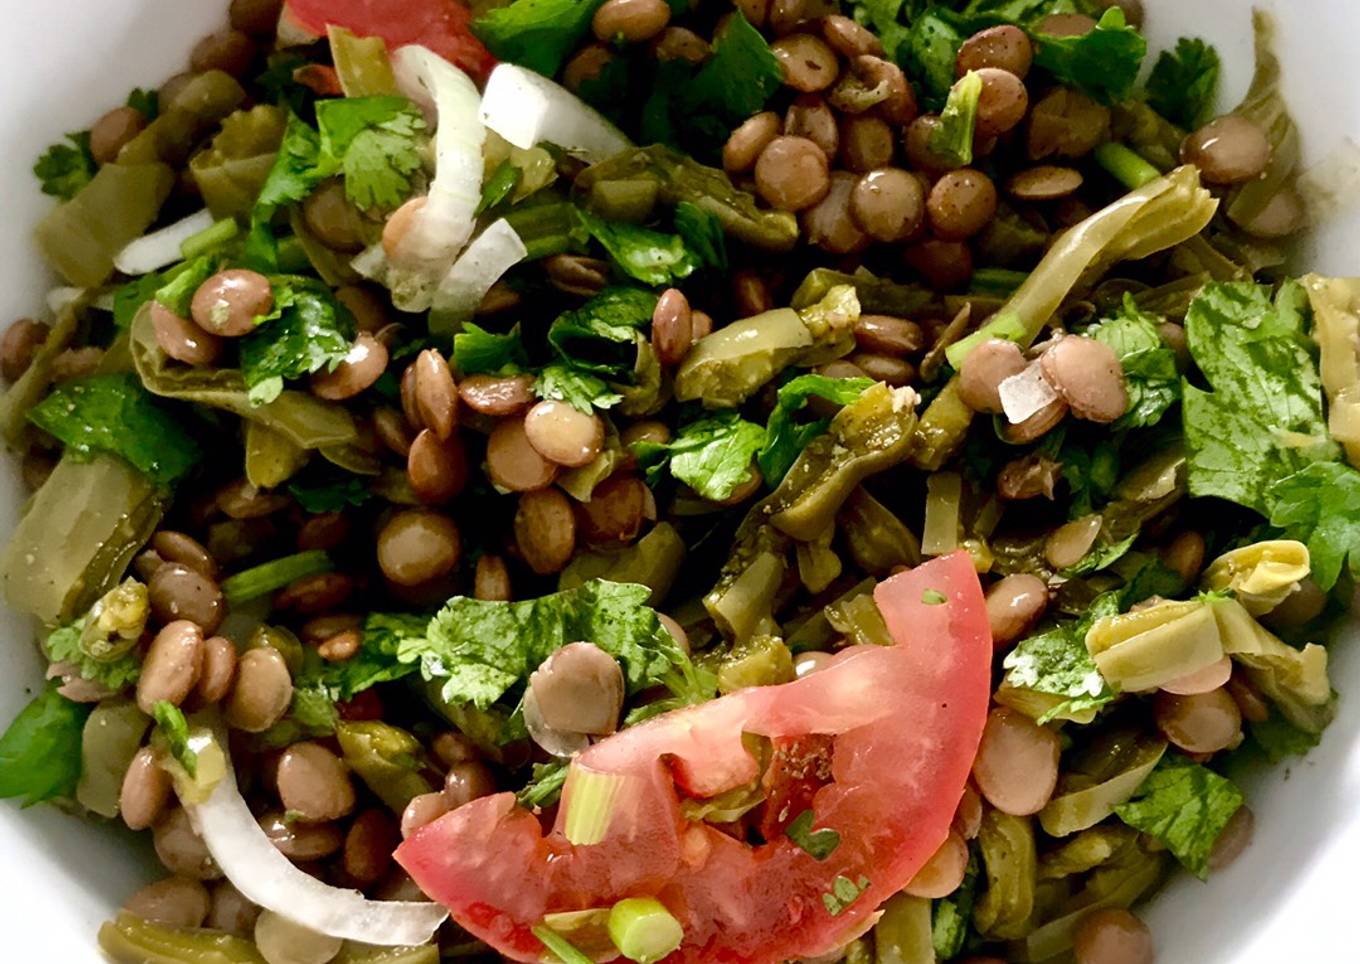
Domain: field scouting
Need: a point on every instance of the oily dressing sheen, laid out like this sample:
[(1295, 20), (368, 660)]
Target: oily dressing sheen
[(896, 729)]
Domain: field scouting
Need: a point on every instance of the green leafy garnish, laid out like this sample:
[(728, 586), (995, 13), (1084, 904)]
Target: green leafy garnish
[(601, 336), (933, 597), (843, 893), (953, 137), (703, 234), (145, 102), (950, 916), (174, 730), (477, 351), (545, 786), (818, 844), (281, 87), (580, 389), (1185, 806), (1184, 81), (65, 168), (479, 651), (296, 173), (1057, 663), (40, 751), (176, 285), (1320, 507), (712, 455), (1149, 365), (786, 438), (300, 336), (1263, 420), (333, 495), (376, 142), (1278, 738), (115, 414), (538, 34), (560, 947), (499, 186), (640, 253), (1102, 64)]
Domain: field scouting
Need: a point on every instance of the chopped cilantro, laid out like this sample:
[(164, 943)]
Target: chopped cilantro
[(933, 597), (1278, 738), (786, 438), (1320, 506), (1102, 64), (712, 455), (1057, 663), (1185, 806), (544, 787), (65, 168), (376, 142), (66, 645), (499, 186), (40, 751), (477, 351), (703, 234), (640, 253), (145, 102), (538, 34), (580, 389), (843, 893), (300, 336), (171, 725), (818, 844), (1184, 81), (330, 495), (1150, 374), (952, 915)]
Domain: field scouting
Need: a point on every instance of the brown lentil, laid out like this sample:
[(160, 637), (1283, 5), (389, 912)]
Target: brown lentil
[(672, 327), (1028, 477), (1066, 123), (1065, 25), (848, 38), (342, 646), (229, 51), (576, 274), (1068, 544), (944, 265), (961, 204), (333, 219), (298, 840), (1088, 375), (314, 784), (888, 335), (263, 690), (1283, 215), (809, 117), (1044, 183), (630, 21), (701, 324), (113, 130), (228, 303), (512, 462), (809, 65), (467, 781), (792, 173), (241, 500), (585, 66), (230, 910), (369, 844), (1233, 839), (1014, 604), (899, 106), (219, 670), (175, 901), (362, 365), (179, 547), (1185, 555), (438, 471), (315, 594), (545, 530), (370, 314), (681, 43), (888, 204), (181, 850), (1112, 936), (392, 431), (1211, 677), (751, 137), (1250, 703), (1228, 150), (563, 434), (73, 363), (1038, 424), (1200, 723), (1006, 47), (145, 790), (1002, 104), (326, 531), (579, 689), (943, 872), (436, 395), (491, 580), (19, 344), (916, 140), (417, 545), (497, 394), (1017, 763), (751, 293), (172, 664), (423, 809), (614, 512), (829, 225), (892, 369), (1301, 606), (257, 17), (983, 371), (967, 821), (866, 143)]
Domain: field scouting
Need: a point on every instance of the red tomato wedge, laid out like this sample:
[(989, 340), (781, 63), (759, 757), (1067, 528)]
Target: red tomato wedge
[(441, 25), (897, 728)]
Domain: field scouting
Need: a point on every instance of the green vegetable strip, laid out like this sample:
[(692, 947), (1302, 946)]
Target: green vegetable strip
[(1125, 166), (209, 239), (560, 946), (267, 577)]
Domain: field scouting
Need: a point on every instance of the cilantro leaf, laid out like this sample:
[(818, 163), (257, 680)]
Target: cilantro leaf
[(931, 50), (40, 751), (843, 893), (640, 253), (499, 186), (953, 137), (736, 82), (1102, 64), (177, 284), (301, 336), (951, 916), (1320, 506), (712, 456), (281, 87), (1263, 419), (785, 438), (376, 142), (330, 495), (1058, 664), (115, 414), (1101, 556), (1150, 374), (1278, 738), (580, 389), (1184, 81), (480, 651), (884, 17), (703, 234), (477, 351), (817, 844), (171, 725), (1185, 806), (64, 168), (545, 786), (538, 34), (64, 645), (145, 102), (296, 172), (602, 335)]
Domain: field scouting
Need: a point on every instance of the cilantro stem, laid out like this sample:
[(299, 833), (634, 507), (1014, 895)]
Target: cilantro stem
[(275, 574), (1125, 166), (209, 238)]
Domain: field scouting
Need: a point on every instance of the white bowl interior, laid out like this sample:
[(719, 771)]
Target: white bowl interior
[(69, 60)]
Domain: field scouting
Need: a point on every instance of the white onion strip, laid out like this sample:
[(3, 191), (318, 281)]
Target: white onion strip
[(154, 251), (527, 109), (266, 877), (1025, 393), (492, 253)]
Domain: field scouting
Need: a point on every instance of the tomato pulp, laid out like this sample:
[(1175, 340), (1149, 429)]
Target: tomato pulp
[(883, 739), (442, 25)]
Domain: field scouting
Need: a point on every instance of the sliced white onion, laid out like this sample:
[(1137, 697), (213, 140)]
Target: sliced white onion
[(59, 298), (1025, 393), (527, 109), (154, 251), (492, 253), (268, 878), (443, 224)]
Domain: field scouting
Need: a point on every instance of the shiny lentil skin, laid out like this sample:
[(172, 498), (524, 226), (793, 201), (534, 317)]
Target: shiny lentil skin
[(792, 173)]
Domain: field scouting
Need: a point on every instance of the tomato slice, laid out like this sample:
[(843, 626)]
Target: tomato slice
[(902, 723), (441, 25)]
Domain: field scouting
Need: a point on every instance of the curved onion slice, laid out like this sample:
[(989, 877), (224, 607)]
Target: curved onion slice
[(492, 253), (528, 109), (266, 877), (154, 251), (440, 228)]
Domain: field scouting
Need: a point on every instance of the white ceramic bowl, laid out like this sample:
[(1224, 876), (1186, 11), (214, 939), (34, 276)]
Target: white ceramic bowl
[(1288, 898)]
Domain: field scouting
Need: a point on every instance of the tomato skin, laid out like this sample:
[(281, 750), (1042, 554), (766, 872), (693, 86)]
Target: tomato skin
[(442, 25), (904, 723)]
